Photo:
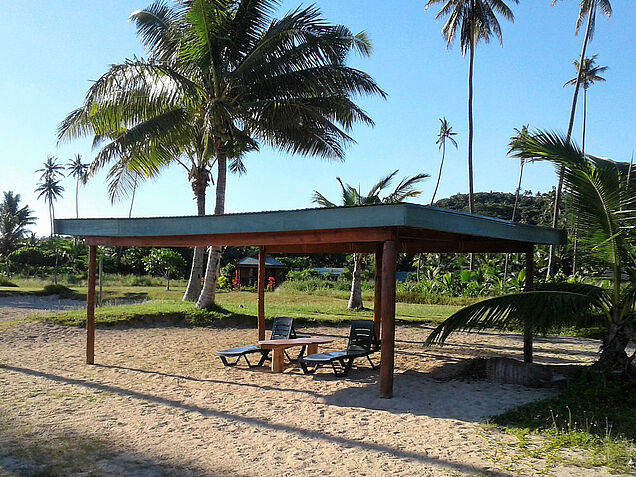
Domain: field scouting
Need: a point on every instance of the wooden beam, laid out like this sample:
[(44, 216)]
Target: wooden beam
[(90, 305), (261, 293), (460, 246), (387, 357), (344, 248), (326, 236), (377, 292), (528, 286)]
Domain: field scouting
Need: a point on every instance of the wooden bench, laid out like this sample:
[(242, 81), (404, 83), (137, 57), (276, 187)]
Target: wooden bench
[(278, 348)]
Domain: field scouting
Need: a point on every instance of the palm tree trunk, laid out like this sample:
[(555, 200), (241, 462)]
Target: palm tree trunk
[(439, 176), (557, 195), (470, 132), (208, 293), (76, 199), (613, 354), (576, 231), (51, 215), (355, 299), (193, 290)]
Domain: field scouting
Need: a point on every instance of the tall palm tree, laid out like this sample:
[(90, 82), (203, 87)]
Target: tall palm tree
[(446, 133), (222, 77), (352, 197), (475, 20), (514, 140), (13, 223), (590, 74), (603, 201), (588, 10), (77, 169), (49, 187)]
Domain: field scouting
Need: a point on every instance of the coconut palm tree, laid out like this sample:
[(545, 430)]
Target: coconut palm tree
[(521, 134), (590, 74), (603, 202), (588, 10), (49, 187), (474, 20), (223, 77), (352, 197), (77, 169), (13, 223), (446, 133)]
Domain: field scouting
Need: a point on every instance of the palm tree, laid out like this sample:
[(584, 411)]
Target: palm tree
[(352, 197), (445, 133), (521, 134), (49, 187), (13, 223), (588, 10), (77, 169), (475, 20), (590, 74), (221, 78), (603, 202)]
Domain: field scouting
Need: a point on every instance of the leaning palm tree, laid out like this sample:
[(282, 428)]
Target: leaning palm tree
[(77, 169), (603, 201), (222, 78), (446, 133), (588, 10), (590, 74), (49, 187), (352, 197), (475, 20)]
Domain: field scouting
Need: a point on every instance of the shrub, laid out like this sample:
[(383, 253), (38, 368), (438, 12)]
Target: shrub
[(5, 282)]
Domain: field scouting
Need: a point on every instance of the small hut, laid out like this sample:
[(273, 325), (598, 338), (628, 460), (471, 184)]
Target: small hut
[(247, 271)]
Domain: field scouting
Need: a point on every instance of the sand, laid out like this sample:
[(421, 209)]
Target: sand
[(158, 402)]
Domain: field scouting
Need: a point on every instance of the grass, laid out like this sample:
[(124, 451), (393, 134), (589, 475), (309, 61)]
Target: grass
[(162, 305), (594, 412)]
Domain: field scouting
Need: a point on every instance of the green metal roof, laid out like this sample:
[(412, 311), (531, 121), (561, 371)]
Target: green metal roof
[(383, 215)]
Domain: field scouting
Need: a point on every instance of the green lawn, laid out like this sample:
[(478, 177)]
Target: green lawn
[(157, 303)]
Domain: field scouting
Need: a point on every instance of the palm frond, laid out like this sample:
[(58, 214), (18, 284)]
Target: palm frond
[(543, 309)]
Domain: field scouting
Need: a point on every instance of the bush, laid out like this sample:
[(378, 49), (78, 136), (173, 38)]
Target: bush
[(61, 290)]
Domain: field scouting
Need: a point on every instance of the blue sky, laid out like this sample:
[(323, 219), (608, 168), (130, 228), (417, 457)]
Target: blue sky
[(52, 50)]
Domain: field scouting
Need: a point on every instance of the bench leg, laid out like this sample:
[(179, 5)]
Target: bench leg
[(278, 360)]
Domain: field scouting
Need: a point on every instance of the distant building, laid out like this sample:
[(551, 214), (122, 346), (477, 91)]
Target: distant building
[(247, 271), (330, 273)]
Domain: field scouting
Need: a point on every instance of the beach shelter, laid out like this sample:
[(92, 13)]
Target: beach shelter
[(383, 230)]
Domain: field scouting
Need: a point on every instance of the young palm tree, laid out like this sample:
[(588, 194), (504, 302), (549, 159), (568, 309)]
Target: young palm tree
[(475, 20), (13, 223), (221, 78), (352, 197), (445, 133), (77, 169), (603, 201), (588, 10)]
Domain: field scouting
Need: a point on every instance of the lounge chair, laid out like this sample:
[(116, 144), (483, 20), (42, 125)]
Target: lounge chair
[(282, 329), (362, 342)]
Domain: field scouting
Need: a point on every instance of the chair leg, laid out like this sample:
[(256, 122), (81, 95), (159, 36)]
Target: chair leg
[(264, 357), (227, 363), (300, 355), (373, 366), (307, 370)]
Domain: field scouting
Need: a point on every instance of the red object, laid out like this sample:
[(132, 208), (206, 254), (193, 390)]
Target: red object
[(235, 283), (271, 282)]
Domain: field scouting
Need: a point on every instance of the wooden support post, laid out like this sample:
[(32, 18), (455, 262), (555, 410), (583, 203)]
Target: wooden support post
[(90, 305), (377, 295), (261, 293), (527, 329), (388, 319)]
